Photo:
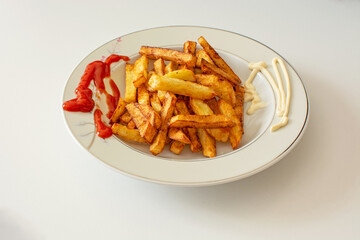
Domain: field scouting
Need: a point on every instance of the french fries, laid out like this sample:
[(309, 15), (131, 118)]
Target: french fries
[(209, 68), (200, 121), (236, 130), (178, 103), (130, 89), (166, 112), (126, 133), (181, 87), (223, 89), (201, 108), (147, 130), (140, 71), (168, 54), (217, 59)]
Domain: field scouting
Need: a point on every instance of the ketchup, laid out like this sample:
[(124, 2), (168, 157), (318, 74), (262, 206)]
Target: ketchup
[(83, 102)]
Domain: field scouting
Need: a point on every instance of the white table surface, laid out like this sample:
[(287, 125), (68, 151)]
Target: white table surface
[(50, 188)]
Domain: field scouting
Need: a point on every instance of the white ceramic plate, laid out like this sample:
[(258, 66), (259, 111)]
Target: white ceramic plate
[(259, 149)]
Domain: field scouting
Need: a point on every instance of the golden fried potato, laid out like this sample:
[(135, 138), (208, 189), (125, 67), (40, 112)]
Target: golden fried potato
[(239, 105), (213, 104), (183, 74), (201, 108), (181, 108), (177, 147), (181, 87), (217, 59), (223, 89), (143, 95), (147, 130), (200, 121), (159, 67), (131, 124), (140, 71), (201, 54), (208, 68), (130, 89), (166, 112), (155, 102), (207, 142), (125, 118), (151, 115), (120, 109), (190, 47), (236, 130), (169, 55), (179, 135), (126, 133), (172, 66)]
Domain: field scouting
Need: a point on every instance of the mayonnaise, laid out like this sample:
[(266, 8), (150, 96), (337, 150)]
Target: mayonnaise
[(250, 91)]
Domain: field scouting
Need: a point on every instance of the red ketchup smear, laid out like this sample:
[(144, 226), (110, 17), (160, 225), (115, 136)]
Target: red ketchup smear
[(83, 102)]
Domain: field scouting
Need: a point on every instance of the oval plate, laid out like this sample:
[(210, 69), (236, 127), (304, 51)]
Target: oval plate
[(260, 148)]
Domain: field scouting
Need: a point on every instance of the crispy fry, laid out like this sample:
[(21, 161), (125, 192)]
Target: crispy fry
[(166, 112), (140, 71), (147, 130), (208, 68), (159, 67), (213, 104), (168, 54), (179, 135), (239, 105), (125, 118), (184, 74), (207, 142), (181, 108), (235, 131), (181, 87), (143, 95), (161, 95), (201, 54), (217, 59), (223, 89), (200, 121), (131, 124), (130, 89), (177, 147), (155, 102), (190, 47), (120, 109), (197, 71), (172, 66), (201, 108), (126, 133), (151, 115)]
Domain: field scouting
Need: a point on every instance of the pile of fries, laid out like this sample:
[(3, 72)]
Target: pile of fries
[(194, 99)]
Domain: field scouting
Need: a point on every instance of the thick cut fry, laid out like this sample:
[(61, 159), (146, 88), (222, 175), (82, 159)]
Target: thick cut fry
[(181, 108), (143, 95), (201, 108), (159, 67), (120, 109), (223, 89), (161, 95), (166, 112), (190, 47), (126, 133), (235, 131), (177, 147), (181, 87), (179, 135), (217, 59), (125, 118), (207, 142), (197, 71), (130, 89), (200, 121), (201, 54), (151, 115), (208, 68), (131, 124), (184, 74), (155, 102), (147, 130), (239, 105), (140, 71), (172, 66), (213, 104), (169, 55)]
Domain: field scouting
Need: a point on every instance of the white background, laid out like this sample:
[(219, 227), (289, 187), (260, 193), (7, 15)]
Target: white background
[(50, 188)]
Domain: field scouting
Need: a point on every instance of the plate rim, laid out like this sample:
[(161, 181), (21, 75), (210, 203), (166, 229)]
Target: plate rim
[(200, 183)]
